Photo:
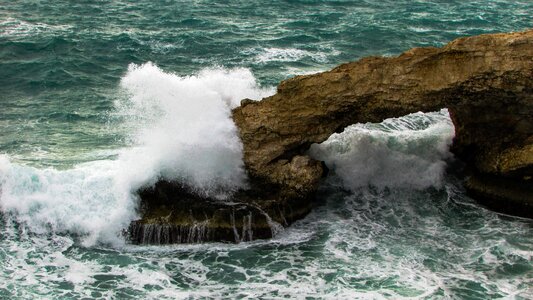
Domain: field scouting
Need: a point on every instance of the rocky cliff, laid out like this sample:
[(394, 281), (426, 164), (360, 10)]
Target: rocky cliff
[(485, 81)]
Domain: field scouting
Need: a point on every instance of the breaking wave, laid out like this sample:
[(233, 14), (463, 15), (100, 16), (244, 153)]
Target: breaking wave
[(406, 152), (179, 128)]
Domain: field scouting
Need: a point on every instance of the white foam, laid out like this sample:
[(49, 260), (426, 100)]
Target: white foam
[(180, 129), (11, 27), (400, 152), (86, 200), (286, 55)]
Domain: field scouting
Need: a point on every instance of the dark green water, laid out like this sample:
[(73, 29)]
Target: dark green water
[(81, 128)]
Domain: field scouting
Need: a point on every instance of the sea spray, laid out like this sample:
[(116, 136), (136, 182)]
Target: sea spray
[(179, 128), (407, 152), (182, 127)]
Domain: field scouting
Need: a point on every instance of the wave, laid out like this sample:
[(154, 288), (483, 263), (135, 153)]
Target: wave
[(88, 200), (179, 128), (406, 152), (267, 55), (14, 28)]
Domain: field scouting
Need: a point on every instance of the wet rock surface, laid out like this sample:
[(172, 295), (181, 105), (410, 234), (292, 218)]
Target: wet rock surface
[(173, 214), (486, 82)]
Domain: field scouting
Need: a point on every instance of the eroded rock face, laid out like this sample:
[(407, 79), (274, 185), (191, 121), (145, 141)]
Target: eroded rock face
[(485, 81)]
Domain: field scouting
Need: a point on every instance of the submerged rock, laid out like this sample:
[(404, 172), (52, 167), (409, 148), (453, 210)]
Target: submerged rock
[(485, 81)]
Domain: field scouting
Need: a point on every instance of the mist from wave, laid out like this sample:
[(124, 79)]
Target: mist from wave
[(408, 152), (179, 128)]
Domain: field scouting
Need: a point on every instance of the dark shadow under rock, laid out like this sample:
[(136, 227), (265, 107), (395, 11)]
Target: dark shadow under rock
[(172, 214), (513, 196)]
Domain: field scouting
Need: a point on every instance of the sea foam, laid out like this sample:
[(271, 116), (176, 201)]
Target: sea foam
[(266, 55), (406, 152)]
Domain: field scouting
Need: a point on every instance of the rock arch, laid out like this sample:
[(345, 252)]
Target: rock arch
[(485, 81)]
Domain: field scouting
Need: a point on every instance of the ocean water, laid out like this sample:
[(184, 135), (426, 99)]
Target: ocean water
[(98, 98)]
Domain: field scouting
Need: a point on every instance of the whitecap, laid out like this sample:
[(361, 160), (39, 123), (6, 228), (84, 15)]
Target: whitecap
[(11, 27), (266, 55)]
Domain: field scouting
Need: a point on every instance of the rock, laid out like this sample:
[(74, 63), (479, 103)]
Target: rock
[(485, 81), (173, 214), (507, 195)]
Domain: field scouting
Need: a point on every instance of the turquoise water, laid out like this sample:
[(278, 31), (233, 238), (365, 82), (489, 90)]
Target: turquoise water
[(100, 97)]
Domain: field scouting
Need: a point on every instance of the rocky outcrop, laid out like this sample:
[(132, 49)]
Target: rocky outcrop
[(173, 214), (485, 81)]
